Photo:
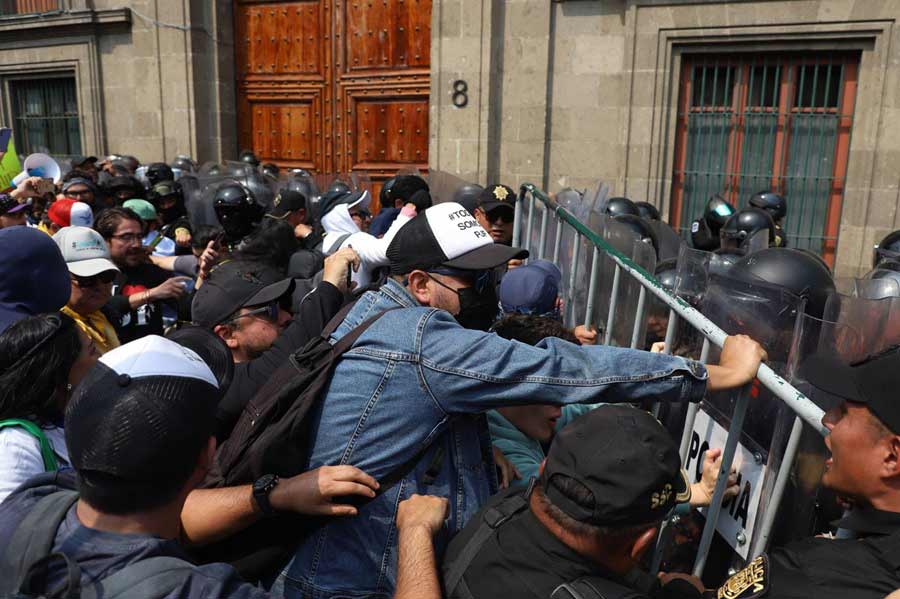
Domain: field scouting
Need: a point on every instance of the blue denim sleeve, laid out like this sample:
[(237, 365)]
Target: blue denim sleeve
[(470, 371)]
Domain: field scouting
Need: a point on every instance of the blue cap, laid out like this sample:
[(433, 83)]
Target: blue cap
[(531, 289), (34, 277)]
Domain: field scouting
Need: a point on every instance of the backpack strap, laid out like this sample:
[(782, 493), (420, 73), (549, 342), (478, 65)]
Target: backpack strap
[(151, 578), (35, 581), (34, 537), (50, 462), (492, 519), (594, 587)]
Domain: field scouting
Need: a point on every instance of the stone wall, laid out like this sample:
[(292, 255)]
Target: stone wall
[(569, 93)]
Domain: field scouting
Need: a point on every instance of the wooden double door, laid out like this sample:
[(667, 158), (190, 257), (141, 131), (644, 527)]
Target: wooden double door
[(334, 86)]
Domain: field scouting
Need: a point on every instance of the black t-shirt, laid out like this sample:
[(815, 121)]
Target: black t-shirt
[(315, 311), (100, 554), (147, 318), (867, 567), (523, 559)]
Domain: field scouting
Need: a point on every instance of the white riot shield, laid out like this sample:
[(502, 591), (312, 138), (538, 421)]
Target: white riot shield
[(441, 185)]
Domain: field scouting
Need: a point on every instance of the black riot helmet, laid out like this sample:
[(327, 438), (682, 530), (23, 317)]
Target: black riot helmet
[(303, 186), (701, 236), (214, 170), (771, 202), (159, 172), (887, 249), (299, 173), (467, 196), (717, 213), (619, 206), (744, 225), (802, 273), (641, 228), (270, 169), (666, 272), (723, 259), (237, 210), (249, 158), (337, 186), (384, 196), (184, 163), (647, 210)]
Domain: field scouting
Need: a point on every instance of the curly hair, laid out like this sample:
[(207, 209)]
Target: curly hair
[(36, 355), (531, 329)]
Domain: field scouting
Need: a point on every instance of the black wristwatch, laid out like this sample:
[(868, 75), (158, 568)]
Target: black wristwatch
[(261, 489)]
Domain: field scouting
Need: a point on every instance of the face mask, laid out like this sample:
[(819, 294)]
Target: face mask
[(477, 310)]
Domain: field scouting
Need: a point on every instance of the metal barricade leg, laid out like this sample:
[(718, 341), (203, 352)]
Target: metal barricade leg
[(715, 507), (558, 242), (517, 222), (784, 473), (613, 300), (529, 224), (570, 292), (638, 318), (592, 288), (542, 243)]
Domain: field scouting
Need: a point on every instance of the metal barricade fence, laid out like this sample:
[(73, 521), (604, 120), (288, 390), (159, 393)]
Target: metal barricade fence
[(539, 226)]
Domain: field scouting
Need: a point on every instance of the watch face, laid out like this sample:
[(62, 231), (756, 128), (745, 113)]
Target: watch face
[(265, 482)]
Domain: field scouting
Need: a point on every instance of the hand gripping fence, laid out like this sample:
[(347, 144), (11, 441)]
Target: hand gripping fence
[(533, 203)]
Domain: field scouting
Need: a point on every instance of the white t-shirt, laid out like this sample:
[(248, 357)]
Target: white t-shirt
[(20, 455)]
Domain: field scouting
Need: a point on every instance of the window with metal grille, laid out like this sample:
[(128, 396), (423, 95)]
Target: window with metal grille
[(45, 115), (27, 7), (779, 122)]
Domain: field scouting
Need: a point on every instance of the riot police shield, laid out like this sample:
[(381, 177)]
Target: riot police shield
[(198, 191), (670, 242), (876, 319), (769, 315), (441, 185), (360, 181)]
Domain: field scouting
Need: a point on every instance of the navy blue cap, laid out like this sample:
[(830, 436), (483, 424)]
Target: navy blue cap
[(531, 289)]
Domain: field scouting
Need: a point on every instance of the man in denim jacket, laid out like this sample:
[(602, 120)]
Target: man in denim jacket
[(417, 379)]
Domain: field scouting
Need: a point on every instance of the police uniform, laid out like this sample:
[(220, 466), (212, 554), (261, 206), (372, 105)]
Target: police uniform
[(630, 465), (865, 567), (861, 568)]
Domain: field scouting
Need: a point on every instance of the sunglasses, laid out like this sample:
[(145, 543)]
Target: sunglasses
[(268, 311), (479, 279), (103, 278)]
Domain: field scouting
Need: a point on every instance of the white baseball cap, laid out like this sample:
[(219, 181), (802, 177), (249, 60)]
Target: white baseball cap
[(84, 250)]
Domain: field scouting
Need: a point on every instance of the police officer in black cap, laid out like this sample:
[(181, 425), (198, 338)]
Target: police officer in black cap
[(611, 477), (864, 467), (291, 206)]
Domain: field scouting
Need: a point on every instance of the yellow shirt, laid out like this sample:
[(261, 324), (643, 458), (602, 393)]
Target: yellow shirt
[(97, 327)]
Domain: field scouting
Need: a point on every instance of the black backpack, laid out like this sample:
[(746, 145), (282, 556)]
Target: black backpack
[(271, 437), (26, 561)]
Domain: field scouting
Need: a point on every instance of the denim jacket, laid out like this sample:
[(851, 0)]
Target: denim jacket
[(416, 378)]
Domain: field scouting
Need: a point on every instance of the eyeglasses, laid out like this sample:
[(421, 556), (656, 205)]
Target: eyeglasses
[(128, 237), (268, 311), (501, 213), (479, 279), (103, 278)]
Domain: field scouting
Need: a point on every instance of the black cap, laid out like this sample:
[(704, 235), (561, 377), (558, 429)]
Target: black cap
[(873, 382), (211, 348), (77, 161), (496, 196), (286, 202), (235, 285), (625, 459), (142, 409), (446, 235)]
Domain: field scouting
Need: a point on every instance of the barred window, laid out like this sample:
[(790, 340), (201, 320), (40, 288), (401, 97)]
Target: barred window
[(27, 7), (45, 116)]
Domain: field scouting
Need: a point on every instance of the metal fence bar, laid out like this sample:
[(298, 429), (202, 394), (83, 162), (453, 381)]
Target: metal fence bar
[(638, 318), (570, 292), (557, 244), (592, 288), (517, 221), (529, 224), (715, 506), (542, 243), (799, 403), (613, 301), (761, 539)]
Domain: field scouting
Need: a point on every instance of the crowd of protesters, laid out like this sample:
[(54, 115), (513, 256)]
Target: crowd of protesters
[(301, 400)]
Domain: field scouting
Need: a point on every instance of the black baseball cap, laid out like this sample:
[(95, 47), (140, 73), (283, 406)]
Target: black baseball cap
[(624, 459), (497, 196), (286, 202), (446, 235), (873, 382), (141, 410), (234, 285), (77, 161)]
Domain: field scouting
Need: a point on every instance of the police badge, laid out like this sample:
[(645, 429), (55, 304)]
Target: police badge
[(752, 581)]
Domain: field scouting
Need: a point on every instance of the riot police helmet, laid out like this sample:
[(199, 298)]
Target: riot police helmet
[(184, 163), (771, 202), (887, 249), (723, 259), (467, 195), (641, 228), (215, 170), (337, 186), (717, 213), (384, 196), (647, 210), (270, 169), (237, 210), (159, 172), (802, 273), (299, 173), (702, 238), (620, 205), (303, 186), (744, 225), (249, 158), (666, 272)]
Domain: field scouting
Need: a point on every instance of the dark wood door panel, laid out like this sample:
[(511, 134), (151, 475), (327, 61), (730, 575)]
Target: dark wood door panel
[(287, 129), (385, 35), (281, 39)]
